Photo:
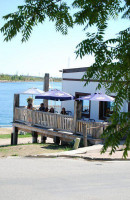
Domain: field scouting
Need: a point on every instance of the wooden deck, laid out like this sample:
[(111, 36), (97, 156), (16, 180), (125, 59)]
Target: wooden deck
[(46, 131), (55, 125)]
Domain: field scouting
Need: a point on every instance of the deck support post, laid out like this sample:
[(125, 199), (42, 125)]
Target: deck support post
[(11, 138), (84, 135), (46, 88), (76, 143), (64, 143), (43, 139), (34, 137), (14, 138), (14, 135), (57, 140)]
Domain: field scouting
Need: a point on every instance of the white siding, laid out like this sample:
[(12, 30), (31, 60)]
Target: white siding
[(78, 86)]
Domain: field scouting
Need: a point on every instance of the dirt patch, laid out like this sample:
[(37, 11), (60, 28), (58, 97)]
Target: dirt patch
[(30, 149)]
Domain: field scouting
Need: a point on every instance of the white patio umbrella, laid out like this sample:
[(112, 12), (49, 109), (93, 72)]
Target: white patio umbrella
[(33, 91), (101, 97)]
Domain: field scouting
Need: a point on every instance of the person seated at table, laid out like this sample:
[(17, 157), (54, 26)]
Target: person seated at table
[(46, 109), (51, 110), (63, 112), (42, 108), (30, 106)]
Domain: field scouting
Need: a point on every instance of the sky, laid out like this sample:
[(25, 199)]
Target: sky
[(47, 51)]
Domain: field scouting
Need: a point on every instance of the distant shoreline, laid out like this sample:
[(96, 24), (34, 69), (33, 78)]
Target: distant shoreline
[(5, 78), (6, 81)]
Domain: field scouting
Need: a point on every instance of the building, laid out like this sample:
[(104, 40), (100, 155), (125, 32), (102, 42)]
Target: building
[(71, 83)]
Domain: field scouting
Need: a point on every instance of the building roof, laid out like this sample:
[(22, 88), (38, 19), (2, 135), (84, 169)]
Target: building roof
[(73, 70)]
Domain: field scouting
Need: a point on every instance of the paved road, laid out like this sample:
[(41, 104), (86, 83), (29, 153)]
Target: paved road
[(63, 179)]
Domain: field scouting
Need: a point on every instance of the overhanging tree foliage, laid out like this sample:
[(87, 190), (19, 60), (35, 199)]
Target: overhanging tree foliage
[(112, 56), (34, 12)]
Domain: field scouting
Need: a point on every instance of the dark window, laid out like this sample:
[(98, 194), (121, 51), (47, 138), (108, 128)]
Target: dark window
[(128, 106), (105, 109)]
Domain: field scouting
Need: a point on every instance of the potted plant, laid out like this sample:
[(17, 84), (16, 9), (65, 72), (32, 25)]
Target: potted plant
[(30, 100)]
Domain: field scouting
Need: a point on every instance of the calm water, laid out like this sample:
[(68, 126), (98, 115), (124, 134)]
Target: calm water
[(7, 91)]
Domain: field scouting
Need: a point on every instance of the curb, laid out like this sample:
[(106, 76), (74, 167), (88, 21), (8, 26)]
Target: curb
[(76, 156)]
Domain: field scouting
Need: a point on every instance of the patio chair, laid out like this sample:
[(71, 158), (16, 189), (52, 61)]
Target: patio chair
[(68, 112), (91, 120)]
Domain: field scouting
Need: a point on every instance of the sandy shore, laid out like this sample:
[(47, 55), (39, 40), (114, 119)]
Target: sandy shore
[(6, 130)]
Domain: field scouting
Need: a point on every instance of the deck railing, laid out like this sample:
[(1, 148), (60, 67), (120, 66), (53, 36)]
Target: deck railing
[(64, 122), (94, 129), (44, 119), (57, 122), (52, 120), (23, 115)]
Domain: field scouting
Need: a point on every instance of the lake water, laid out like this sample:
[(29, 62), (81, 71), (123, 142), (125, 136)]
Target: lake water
[(7, 91)]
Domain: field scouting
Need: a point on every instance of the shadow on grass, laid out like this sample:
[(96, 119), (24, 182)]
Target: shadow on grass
[(56, 147), (48, 146)]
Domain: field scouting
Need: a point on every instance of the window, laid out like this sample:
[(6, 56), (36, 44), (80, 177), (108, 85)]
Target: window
[(105, 109), (86, 108)]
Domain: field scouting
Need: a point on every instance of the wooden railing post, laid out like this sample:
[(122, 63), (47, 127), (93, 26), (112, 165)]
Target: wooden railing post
[(84, 135), (46, 88), (33, 117), (55, 122), (75, 117)]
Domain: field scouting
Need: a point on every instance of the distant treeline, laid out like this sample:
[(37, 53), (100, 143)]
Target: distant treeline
[(55, 79), (6, 77)]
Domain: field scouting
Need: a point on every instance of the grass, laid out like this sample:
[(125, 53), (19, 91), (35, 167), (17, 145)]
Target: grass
[(8, 136)]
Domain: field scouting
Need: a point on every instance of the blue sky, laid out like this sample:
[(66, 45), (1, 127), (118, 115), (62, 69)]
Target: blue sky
[(47, 51)]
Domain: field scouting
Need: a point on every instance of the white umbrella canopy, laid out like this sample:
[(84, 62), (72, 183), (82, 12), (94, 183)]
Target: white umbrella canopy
[(101, 97), (88, 97), (33, 91), (97, 97)]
